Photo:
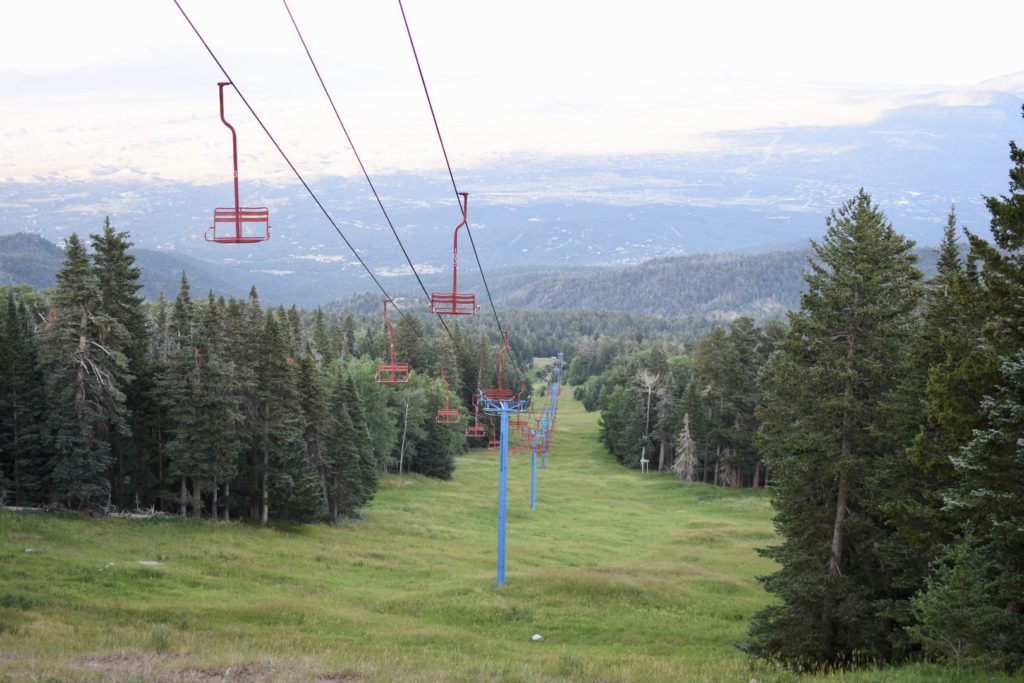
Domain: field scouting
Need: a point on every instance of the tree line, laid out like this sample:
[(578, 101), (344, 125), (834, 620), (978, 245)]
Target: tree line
[(688, 408), (888, 415), (207, 406)]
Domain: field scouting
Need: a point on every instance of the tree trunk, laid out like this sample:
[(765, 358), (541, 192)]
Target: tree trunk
[(757, 475), (184, 498), (265, 508), (735, 482), (405, 424), (17, 476), (661, 456), (197, 499), (160, 469), (835, 560), (227, 499), (716, 467), (213, 503)]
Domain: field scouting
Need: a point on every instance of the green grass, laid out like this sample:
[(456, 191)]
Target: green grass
[(628, 577)]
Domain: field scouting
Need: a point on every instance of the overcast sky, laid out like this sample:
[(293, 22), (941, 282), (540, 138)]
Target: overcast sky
[(123, 88)]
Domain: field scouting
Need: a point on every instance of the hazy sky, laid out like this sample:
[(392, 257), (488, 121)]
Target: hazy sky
[(123, 87)]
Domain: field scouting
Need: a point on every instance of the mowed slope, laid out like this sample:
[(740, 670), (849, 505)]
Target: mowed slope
[(628, 577)]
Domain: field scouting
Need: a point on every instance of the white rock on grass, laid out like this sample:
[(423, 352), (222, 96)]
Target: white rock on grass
[(149, 563), (537, 637)]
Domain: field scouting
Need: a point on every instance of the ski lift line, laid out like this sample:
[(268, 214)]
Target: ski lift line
[(288, 161), (359, 160), (451, 175)]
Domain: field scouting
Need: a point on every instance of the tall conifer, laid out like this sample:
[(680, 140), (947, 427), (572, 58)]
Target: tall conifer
[(824, 395)]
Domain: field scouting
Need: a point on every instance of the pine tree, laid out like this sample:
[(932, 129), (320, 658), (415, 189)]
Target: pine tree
[(179, 389), (119, 284), (987, 489), (86, 372), (930, 417), (346, 450), (290, 481), (686, 463), (825, 393), (313, 398), (409, 347), (369, 466), (957, 618), (22, 456), (435, 456), (218, 405)]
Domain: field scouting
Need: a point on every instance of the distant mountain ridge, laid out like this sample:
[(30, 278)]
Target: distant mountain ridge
[(707, 286), (31, 260)]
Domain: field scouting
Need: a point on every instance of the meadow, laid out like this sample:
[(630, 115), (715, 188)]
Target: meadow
[(627, 576)]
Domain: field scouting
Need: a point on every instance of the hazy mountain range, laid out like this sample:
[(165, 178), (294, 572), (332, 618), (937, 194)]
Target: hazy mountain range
[(706, 286), (760, 191)]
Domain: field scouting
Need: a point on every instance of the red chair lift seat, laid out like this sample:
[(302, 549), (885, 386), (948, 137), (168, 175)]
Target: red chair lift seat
[(448, 416), (237, 224), (244, 225), (390, 372), (453, 303)]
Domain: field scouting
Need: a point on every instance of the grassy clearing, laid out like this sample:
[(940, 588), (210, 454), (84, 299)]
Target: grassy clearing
[(627, 577)]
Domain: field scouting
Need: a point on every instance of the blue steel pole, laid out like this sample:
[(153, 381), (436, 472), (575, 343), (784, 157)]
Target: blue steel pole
[(502, 496), (533, 477)]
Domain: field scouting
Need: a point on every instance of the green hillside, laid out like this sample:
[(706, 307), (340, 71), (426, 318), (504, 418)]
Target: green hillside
[(628, 577)]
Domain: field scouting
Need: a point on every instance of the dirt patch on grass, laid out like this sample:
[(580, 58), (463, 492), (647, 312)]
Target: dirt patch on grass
[(339, 677), (120, 661), (241, 672)]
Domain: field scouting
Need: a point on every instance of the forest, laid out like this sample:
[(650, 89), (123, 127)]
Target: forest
[(212, 407), (885, 416)]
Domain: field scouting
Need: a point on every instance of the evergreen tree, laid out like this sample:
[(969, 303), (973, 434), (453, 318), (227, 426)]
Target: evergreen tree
[(22, 457), (957, 616), (326, 353), (119, 284), (686, 463), (314, 397), (986, 488), (930, 417), (86, 372), (435, 456), (349, 461), (179, 389), (990, 469), (369, 466), (289, 482), (409, 347), (218, 406), (825, 393)]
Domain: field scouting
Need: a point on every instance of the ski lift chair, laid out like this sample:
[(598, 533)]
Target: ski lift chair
[(237, 224), (453, 303), (391, 372), (447, 415)]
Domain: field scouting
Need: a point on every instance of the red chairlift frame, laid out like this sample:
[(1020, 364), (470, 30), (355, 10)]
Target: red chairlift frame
[(238, 216), (392, 372), (495, 439), (476, 430), (517, 421), (447, 415), (453, 303), (500, 393)]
